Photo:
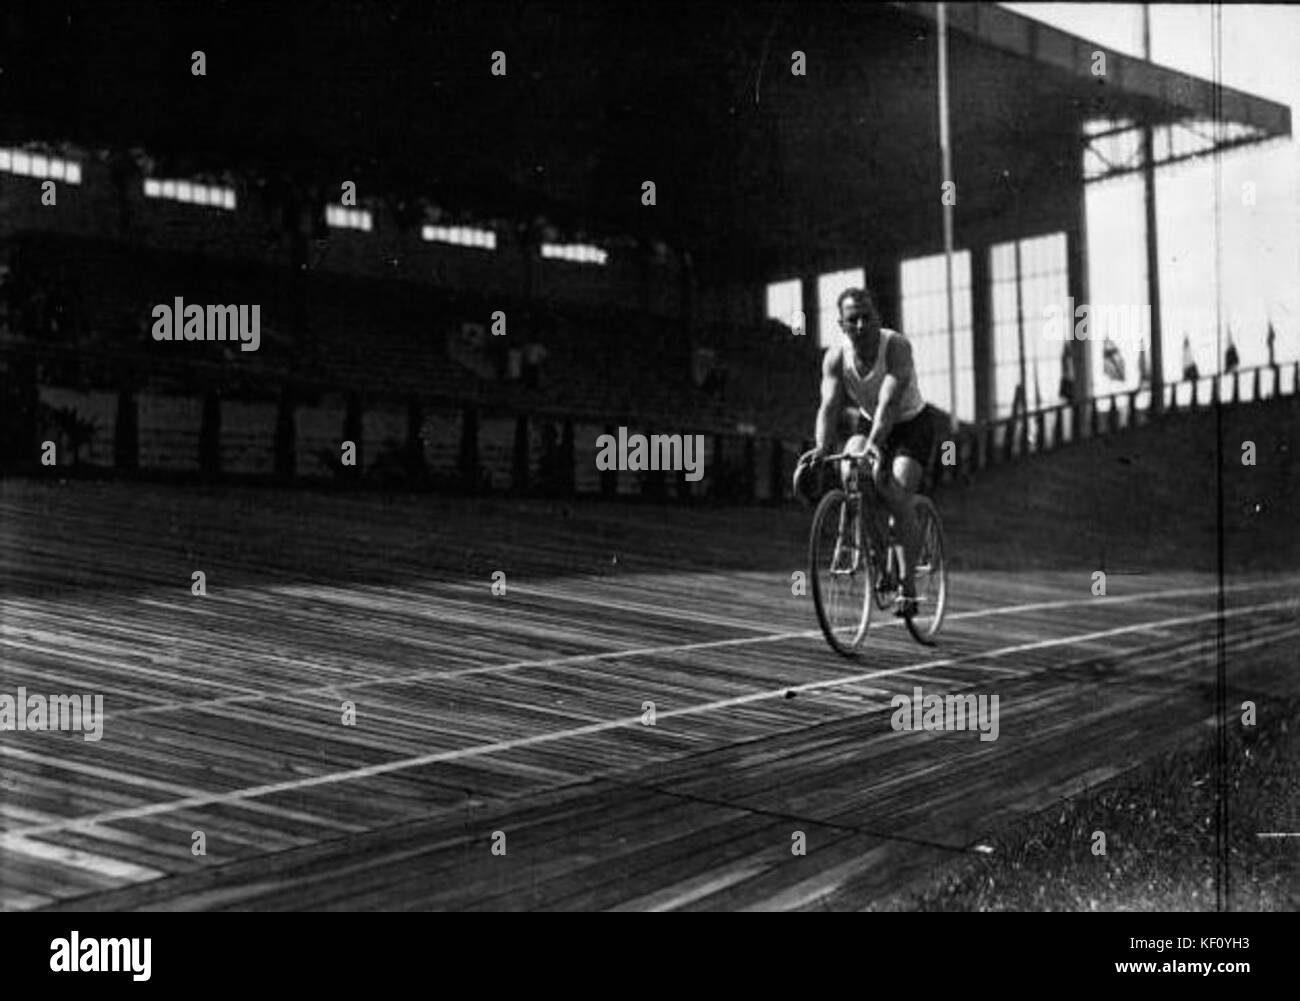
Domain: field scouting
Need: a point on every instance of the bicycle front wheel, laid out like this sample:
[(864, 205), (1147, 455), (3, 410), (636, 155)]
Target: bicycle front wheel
[(931, 575), (841, 572)]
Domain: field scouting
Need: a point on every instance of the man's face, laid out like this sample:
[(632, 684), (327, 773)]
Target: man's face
[(859, 322)]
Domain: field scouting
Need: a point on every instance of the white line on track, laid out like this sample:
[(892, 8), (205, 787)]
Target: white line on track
[(349, 596), (444, 674), (499, 747), (113, 775)]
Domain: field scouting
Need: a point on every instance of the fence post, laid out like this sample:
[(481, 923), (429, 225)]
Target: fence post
[(284, 433), (415, 464), (776, 471), (568, 462), (717, 487), (468, 464), (353, 431), (751, 470), (654, 482), (609, 477), (126, 432), (519, 461), (210, 435)]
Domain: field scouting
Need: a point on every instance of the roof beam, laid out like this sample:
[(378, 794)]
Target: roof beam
[(1157, 93)]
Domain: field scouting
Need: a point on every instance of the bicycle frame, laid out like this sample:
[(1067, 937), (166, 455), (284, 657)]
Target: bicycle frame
[(879, 537)]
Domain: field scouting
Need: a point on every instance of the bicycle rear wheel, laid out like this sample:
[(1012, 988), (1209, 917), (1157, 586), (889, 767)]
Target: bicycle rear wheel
[(931, 575), (841, 572)]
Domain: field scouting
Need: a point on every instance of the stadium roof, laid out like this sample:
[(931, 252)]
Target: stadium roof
[(757, 170), (1130, 85)]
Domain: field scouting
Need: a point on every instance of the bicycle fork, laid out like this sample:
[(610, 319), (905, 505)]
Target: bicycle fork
[(855, 545)]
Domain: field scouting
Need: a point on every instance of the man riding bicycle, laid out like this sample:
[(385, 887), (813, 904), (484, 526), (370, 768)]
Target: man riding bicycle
[(892, 426)]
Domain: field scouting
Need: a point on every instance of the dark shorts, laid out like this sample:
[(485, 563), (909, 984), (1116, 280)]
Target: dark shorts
[(914, 438)]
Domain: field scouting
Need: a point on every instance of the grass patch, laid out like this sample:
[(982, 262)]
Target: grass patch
[(1159, 822)]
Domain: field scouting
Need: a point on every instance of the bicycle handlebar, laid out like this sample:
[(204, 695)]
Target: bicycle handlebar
[(845, 457)]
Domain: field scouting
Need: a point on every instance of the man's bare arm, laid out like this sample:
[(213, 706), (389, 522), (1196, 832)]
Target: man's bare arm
[(832, 399)]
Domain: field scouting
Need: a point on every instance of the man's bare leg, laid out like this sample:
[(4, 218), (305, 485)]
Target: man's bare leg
[(856, 445), (898, 486)]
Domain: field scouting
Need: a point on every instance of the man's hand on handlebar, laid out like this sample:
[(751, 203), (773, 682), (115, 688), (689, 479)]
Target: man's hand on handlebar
[(805, 478), (812, 456)]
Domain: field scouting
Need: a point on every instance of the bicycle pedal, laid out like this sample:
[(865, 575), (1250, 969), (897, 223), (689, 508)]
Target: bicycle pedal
[(905, 608)]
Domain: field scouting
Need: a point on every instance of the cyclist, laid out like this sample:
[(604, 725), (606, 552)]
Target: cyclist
[(871, 368)]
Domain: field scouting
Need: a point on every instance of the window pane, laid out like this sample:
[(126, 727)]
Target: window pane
[(923, 282), (785, 302), (1021, 303)]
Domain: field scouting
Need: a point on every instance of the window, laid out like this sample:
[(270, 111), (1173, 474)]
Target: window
[(785, 304), (1028, 277), (829, 287), (923, 282), (582, 253), (17, 161), (190, 192), (341, 218), (465, 236)]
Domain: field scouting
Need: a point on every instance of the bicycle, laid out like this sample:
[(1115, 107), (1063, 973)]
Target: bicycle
[(852, 544)]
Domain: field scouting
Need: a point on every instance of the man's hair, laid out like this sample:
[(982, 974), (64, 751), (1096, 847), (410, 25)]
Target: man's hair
[(858, 295)]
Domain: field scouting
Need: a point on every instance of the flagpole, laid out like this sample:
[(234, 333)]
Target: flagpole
[(945, 151), (1152, 246)]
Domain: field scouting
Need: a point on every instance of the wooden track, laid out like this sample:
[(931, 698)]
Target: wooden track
[(521, 713)]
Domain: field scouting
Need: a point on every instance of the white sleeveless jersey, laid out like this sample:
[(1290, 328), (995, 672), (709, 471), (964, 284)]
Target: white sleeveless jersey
[(864, 389)]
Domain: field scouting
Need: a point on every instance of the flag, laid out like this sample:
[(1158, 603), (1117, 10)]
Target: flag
[(1190, 370), (1112, 360), (1066, 390), (1230, 359), (1271, 338)]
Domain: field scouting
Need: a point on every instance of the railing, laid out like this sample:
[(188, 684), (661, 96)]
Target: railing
[(276, 425), (1010, 438), (491, 440)]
